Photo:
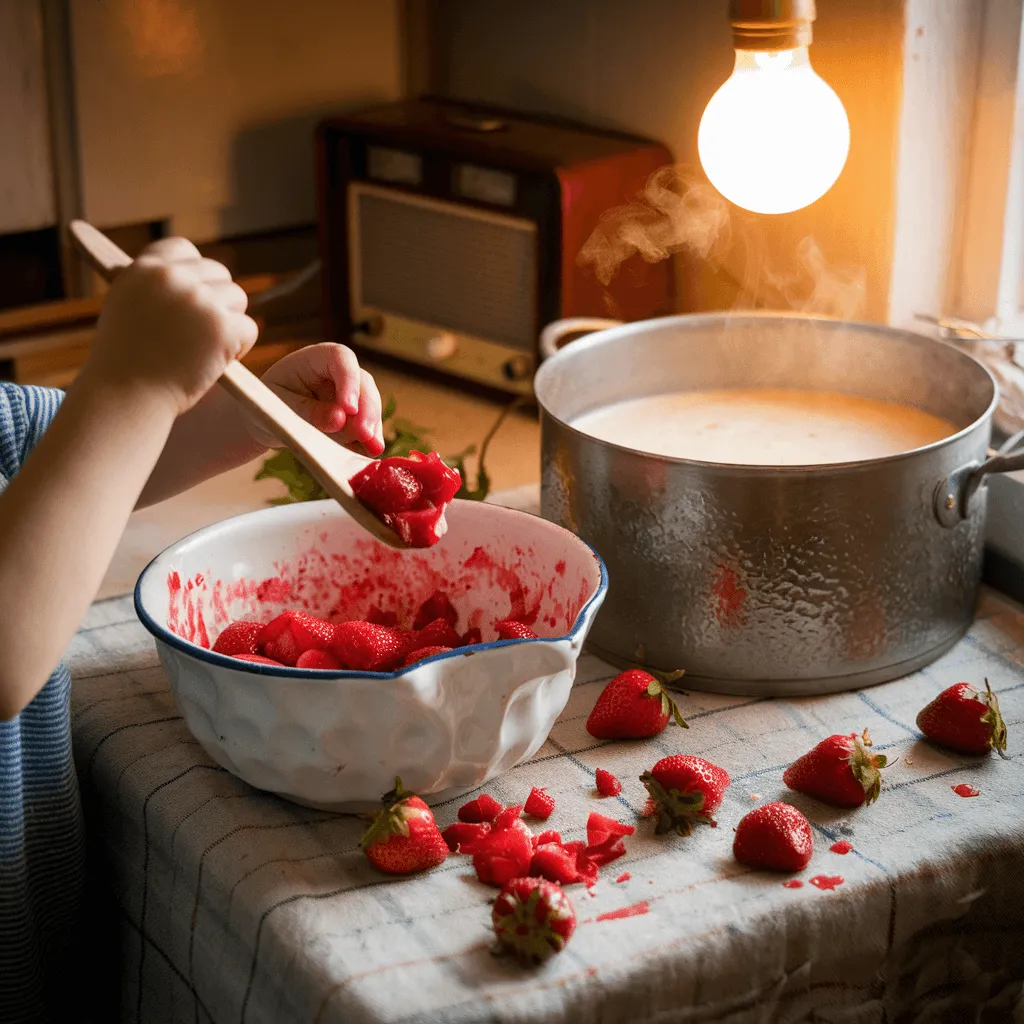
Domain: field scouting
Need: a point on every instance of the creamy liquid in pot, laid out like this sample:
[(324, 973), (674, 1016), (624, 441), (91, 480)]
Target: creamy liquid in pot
[(764, 427)]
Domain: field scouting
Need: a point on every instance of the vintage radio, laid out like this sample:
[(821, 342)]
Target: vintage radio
[(449, 234)]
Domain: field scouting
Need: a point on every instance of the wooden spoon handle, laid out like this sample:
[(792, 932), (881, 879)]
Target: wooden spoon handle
[(331, 463)]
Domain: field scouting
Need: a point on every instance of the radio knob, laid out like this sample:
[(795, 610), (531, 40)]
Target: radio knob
[(442, 346), (517, 368)]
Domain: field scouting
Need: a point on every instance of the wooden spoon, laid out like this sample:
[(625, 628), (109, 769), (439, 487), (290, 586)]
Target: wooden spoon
[(332, 464)]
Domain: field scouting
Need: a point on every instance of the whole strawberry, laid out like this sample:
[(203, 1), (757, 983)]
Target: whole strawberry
[(404, 837), (684, 789), (533, 918), (965, 720), (841, 770), (633, 706), (775, 836)]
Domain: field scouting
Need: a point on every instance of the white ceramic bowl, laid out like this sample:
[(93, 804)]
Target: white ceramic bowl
[(336, 740)]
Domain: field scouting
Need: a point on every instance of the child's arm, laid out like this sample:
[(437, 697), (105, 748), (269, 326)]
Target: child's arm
[(170, 325), (323, 383)]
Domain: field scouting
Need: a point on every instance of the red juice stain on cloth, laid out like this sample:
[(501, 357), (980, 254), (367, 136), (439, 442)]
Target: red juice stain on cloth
[(624, 877), (794, 883), (841, 847), (964, 790), (824, 882), (729, 596), (633, 910)]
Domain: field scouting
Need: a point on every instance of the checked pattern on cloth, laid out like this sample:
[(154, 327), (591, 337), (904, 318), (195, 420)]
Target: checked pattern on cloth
[(236, 906)]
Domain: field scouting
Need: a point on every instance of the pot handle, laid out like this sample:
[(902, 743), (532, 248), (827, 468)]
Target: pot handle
[(953, 495), (556, 331)]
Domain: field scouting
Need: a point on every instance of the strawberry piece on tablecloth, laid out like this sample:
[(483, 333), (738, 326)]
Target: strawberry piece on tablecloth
[(482, 808), (539, 804)]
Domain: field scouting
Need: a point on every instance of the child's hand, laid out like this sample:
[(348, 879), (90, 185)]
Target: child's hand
[(171, 324), (325, 385)]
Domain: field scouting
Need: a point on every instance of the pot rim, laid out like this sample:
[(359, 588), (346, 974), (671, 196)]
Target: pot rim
[(551, 365)]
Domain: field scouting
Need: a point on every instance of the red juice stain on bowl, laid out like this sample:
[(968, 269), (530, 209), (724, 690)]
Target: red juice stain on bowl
[(368, 578), (964, 790), (793, 883), (826, 881), (841, 847), (729, 596), (509, 581), (633, 910)]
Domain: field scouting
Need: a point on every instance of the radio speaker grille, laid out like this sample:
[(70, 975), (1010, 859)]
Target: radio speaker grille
[(454, 267)]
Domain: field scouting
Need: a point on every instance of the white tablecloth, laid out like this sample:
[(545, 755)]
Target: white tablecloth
[(236, 906)]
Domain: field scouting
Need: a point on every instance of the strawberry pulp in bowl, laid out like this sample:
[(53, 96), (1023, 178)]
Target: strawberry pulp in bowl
[(337, 739)]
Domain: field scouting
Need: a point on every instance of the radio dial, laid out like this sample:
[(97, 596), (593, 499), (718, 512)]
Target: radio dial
[(517, 368), (442, 346)]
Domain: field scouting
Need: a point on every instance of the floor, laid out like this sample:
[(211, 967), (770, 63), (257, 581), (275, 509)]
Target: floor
[(454, 418)]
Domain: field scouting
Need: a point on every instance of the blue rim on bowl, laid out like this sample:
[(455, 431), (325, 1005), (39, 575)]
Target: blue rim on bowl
[(163, 634)]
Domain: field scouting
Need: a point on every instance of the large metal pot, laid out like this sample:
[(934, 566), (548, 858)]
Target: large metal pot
[(761, 579)]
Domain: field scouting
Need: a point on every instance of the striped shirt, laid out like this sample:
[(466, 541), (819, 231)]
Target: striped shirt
[(41, 839)]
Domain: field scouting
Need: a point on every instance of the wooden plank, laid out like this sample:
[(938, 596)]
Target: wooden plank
[(47, 316), (58, 369), (26, 177), (25, 346)]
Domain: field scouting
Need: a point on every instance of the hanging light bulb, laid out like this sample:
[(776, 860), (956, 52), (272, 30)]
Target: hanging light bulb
[(775, 137)]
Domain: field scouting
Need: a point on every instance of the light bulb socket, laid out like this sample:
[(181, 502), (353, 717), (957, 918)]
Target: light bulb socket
[(771, 24)]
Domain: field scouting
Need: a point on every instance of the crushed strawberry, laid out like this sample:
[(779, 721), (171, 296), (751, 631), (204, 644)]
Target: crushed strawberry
[(381, 618), (483, 808), (601, 828), (257, 659), (509, 629), (555, 863), (373, 644), (462, 836), (539, 804), (506, 852), (409, 495), (607, 784), (423, 652), (322, 660), (437, 606), (277, 641), (551, 836), (438, 633)]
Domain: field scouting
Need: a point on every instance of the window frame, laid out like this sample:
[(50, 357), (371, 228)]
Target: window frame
[(989, 269)]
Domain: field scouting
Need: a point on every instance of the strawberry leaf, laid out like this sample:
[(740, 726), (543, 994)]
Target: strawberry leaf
[(864, 766), (390, 820), (676, 811), (994, 720)]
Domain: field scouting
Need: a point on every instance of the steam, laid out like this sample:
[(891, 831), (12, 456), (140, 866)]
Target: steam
[(671, 214), (676, 212)]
